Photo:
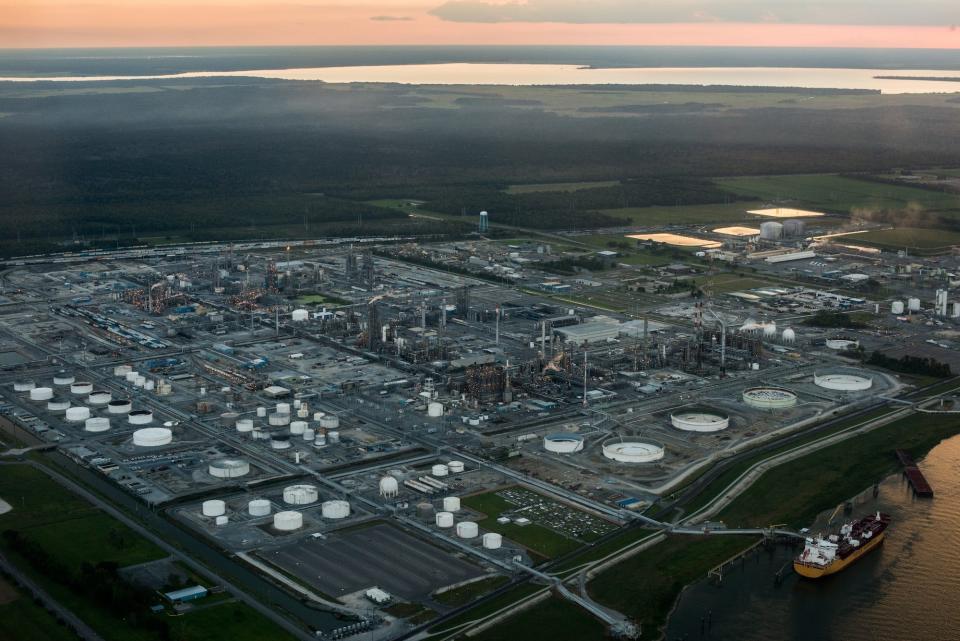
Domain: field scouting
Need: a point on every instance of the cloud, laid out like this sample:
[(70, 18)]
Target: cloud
[(832, 12), (391, 18)]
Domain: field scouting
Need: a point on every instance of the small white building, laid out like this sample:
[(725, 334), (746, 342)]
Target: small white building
[(378, 596)]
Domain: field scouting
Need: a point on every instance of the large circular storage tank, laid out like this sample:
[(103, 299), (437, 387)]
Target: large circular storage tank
[(333, 436), (843, 382), (330, 421), (119, 406), (278, 420), (896, 307), (563, 443), (77, 414), (283, 408), (245, 425), (335, 509), (229, 468), (23, 386), (288, 520), (41, 394), (309, 434), (467, 530), (769, 397), (389, 487), (633, 451), (299, 315), (440, 470), (451, 504), (259, 507), (214, 507), (700, 420), (298, 427), (122, 370), (318, 415), (152, 437), (280, 441), (99, 397), (842, 342), (913, 304), (300, 494), (435, 410), (81, 387), (456, 467), (444, 519), (140, 417), (771, 230), (58, 405), (132, 376), (96, 424), (492, 541), (63, 378)]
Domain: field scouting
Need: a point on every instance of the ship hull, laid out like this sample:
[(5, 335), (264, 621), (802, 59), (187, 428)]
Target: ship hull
[(816, 572)]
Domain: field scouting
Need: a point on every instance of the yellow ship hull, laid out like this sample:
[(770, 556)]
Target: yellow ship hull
[(816, 572)]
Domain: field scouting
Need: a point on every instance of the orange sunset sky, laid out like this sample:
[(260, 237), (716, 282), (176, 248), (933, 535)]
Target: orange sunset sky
[(851, 23)]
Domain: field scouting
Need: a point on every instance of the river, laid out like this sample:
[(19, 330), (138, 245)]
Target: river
[(563, 74), (907, 589)]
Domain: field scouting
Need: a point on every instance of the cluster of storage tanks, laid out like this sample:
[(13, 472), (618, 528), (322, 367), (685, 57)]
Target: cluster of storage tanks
[(78, 401), (285, 520), (446, 519), (141, 381), (286, 424)]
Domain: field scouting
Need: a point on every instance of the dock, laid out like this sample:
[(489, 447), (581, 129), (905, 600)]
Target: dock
[(916, 478)]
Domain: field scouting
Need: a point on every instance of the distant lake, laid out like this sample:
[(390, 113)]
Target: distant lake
[(547, 74)]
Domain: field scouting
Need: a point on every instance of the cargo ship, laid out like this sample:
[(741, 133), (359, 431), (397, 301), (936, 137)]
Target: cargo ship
[(824, 556)]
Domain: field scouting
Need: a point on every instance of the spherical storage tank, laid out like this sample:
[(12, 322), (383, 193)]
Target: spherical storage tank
[(700, 420), (769, 397), (789, 336), (492, 541), (300, 494), (770, 329), (41, 394), (467, 530), (23, 386), (99, 397), (258, 507), (287, 521), (229, 468), (633, 452), (119, 406), (214, 507), (81, 387), (843, 382), (300, 315), (140, 417), (444, 519), (456, 467), (451, 504), (389, 487), (896, 307), (563, 443), (771, 230), (335, 509), (152, 437), (97, 424), (77, 414), (435, 410), (439, 470)]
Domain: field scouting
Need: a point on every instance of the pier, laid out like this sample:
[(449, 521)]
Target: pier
[(916, 478)]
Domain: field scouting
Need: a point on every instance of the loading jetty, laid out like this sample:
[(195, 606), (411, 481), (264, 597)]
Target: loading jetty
[(916, 478)]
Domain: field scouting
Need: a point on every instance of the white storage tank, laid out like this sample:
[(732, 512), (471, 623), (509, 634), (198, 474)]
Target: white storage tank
[(77, 414), (222, 520), (435, 410), (451, 504), (467, 530), (41, 394), (456, 467), (318, 415), (261, 412), (283, 408), (329, 421), (896, 307), (245, 425), (333, 436), (119, 406), (492, 541), (97, 424), (771, 230), (214, 507), (23, 386), (280, 441), (444, 519), (140, 417), (300, 315), (440, 470), (278, 420), (259, 507), (152, 437), (309, 434), (298, 427), (300, 494), (288, 520), (913, 304), (81, 387), (122, 370), (789, 336), (99, 397), (229, 468), (335, 509), (58, 405), (63, 378), (132, 376), (389, 487)]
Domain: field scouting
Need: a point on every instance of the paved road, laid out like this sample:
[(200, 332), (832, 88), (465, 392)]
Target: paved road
[(83, 630)]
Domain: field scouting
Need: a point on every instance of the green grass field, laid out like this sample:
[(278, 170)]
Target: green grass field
[(22, 619), (837, 193), (234, 621), (910, 238), (539, 539), (467, 593), (554, 618)]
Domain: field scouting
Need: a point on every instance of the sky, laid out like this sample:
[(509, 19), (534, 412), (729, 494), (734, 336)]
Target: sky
[(811, 23)]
